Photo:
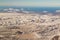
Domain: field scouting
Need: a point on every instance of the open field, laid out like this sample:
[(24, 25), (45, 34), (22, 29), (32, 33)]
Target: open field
[(15, 26)]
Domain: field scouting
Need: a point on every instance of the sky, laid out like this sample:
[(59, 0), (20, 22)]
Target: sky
[(39, 3)]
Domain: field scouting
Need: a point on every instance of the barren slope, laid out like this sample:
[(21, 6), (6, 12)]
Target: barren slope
[(14, 26)]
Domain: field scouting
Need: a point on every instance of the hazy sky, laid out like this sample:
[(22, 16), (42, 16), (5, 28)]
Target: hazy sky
[(48, 3)]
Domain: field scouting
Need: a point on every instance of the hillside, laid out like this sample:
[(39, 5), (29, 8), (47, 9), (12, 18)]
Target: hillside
[(15, 26)]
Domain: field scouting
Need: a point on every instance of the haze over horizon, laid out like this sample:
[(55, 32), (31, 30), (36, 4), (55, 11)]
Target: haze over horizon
[(41, 3)]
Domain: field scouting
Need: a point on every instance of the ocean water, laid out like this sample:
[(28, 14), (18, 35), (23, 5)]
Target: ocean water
[(30, 9)]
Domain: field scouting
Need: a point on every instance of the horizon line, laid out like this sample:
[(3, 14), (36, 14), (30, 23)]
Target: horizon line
[(32, 6)]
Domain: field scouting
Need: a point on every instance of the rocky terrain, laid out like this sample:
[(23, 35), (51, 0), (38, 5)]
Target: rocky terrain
[(15, 26)]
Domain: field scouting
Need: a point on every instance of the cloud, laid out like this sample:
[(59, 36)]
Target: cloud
[(57, 10), (45, 11)]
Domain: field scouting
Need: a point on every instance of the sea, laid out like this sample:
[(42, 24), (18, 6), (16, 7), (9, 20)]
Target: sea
[(29, 9)]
